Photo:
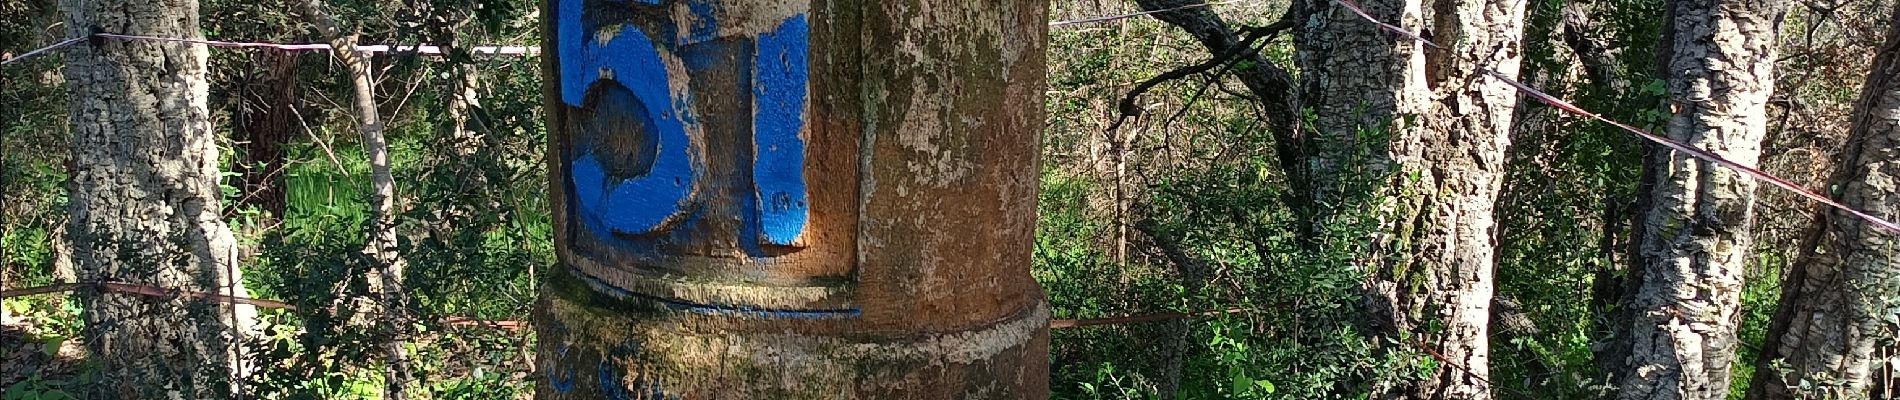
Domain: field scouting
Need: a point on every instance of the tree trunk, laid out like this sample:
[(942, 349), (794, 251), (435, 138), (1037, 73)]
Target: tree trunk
[(1693, 241), (1357, 80), (794, 199), (1834, 314), (1610, 293), (385, 277), (264, 121), (463, 95), (1420, 137), (145, 205), (1175, 335)]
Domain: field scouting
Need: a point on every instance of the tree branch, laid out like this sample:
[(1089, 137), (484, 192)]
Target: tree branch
[(1244, 48), (1272, 86)]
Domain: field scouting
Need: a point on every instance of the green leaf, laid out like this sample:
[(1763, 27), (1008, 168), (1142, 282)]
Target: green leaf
[(1241, 382), (52, 344), (1265, 385), (1656, 87)]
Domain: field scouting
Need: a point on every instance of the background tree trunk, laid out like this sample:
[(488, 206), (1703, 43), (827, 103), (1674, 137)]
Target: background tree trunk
[(1611, 294), (1685, 294), (1176, 334), (1834, 311), (1432, 134), (263, 122), (145, 205), (464, 96)]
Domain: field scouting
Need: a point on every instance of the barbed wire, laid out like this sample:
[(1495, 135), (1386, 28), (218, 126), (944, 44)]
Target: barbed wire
[(35, 52), (529, 51), (168, 293), (516, 325), (1107, 18), (419, 49), (151, 291), (1155, 317), (495, 50)]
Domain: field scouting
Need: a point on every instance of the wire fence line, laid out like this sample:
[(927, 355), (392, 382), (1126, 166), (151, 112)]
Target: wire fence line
[(171, 293), (519, 326), (496, 50), (1348, 4), (1107, 18), (377, 48), (35, 52), (419, 49), (157, 292)]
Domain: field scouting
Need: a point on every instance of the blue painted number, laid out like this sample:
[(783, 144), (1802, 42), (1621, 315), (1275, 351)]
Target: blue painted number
[(642, 93)]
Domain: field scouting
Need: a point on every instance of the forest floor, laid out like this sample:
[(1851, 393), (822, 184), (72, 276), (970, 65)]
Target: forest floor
[(27, 355)]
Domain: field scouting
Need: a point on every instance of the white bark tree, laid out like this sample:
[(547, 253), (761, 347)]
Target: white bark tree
[(1430, 132), (1676, 336), (384, 279), (1840, 297)]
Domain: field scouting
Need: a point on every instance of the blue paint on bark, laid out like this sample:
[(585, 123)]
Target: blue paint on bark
[(705, 23), (631, 205), (779, 87), (617, 384), (663, 193), (560, 375), (610, 384), (561, 378)]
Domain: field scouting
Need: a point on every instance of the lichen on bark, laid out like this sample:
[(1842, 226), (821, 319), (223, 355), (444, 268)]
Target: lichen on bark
[(1417, 136)]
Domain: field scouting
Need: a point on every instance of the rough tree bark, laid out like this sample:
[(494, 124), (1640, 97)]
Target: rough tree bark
[(145, 205), (1837, 303), (1611, 286), (1677, 339), (1420, 137), (384, 279)]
